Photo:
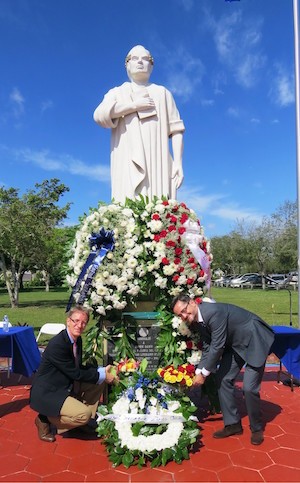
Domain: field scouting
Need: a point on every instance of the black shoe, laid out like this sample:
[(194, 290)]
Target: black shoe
[(229, 430), (257, 437), (89, 428)]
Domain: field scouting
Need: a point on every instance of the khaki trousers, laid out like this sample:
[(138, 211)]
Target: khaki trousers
[(77, 412)]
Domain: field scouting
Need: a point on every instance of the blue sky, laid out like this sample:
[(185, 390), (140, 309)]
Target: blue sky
[(230, 66)]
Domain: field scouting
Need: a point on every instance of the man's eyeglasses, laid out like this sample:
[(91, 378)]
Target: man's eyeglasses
[(184, 310), (78, 322)]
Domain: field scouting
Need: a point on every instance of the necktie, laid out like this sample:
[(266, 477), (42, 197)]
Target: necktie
[(76, 384), (75, 352)]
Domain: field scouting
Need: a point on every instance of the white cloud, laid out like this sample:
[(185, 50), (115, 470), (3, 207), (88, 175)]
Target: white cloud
[(234, 213), (233, 112), (45, 105), (65, 162), (17, 101), (186, 4), (185, 73), (207, 102), (237, 42), (217, 206), (282, 91), (254, 120)]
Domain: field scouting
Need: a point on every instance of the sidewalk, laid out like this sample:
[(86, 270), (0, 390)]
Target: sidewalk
[(23, 457)]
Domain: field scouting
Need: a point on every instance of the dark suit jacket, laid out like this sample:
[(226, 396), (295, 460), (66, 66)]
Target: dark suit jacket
[(229, 327), (54, 379)]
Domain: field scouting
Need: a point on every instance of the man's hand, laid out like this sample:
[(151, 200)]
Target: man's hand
[(199, 380), (111, 374)]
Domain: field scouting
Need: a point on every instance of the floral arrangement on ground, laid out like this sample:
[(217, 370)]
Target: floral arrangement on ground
[(147, 419)]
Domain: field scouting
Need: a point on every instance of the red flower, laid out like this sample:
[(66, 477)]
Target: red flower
[(173, 219), (191, 260), (189, 344), (190, 368), (183, 205), (180, 269), (198, 300), (156, 238), (165, 203), (155, 216), (181, 230), (175, 208), (165, 261), (201, 273), (172, 228), (175, 278), (177, 261), (178, 251), (184, 217), (190, 281), (163, 234), (170, 243)]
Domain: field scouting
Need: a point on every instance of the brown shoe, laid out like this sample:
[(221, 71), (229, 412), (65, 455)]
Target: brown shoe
[(229, 430), (44, 431), (257, 437)]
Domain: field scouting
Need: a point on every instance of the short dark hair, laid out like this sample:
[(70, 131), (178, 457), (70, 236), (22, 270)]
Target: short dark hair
[(79, 308), (182, 297)]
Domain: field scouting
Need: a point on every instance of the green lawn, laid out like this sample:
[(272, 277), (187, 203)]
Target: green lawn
[(38, 307), (271, 305)]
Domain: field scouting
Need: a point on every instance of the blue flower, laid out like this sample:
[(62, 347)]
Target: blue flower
[(130, 393)]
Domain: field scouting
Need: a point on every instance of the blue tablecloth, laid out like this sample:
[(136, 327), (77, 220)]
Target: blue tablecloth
[(287, 348), (20, 344)]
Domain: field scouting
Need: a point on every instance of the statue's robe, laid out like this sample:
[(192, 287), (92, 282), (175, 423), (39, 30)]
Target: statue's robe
[(141, 162)]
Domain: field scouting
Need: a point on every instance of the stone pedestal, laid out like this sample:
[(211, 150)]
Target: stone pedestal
[(147, 331)]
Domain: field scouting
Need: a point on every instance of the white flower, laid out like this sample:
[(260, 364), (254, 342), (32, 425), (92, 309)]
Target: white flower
[(175, 322), (195, 357), (139, 393), (173, 405), (153, 401), (183, 329)]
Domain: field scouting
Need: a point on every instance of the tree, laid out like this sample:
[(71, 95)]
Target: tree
[(53, 258), (25, 222)]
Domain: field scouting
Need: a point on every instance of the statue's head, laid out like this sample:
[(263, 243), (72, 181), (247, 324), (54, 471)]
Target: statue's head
[(139, 63)]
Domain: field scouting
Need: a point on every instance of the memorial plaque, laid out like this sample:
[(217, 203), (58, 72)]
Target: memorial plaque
[(145, 347)]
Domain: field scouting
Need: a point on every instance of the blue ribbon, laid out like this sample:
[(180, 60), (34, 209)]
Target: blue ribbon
[(100, 243)]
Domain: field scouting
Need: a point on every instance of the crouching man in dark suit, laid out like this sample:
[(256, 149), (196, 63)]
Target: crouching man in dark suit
[(232, 337), (66, 393)]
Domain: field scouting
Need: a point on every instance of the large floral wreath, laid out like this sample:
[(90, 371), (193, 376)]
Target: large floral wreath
[(147, 420), (151, 255)]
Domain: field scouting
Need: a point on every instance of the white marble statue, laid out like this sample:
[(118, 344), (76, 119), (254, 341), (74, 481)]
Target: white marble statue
[(142, 117)]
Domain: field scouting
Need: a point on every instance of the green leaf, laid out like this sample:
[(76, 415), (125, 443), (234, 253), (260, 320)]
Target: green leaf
[(136, 428), (143, 365), (127, 459), (156, 462), (166, 456)]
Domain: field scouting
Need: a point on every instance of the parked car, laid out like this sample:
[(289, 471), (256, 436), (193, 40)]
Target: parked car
[(236, 282), (223, 281), (251, 281), (219, 281), (275, 279), (294, 277)]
